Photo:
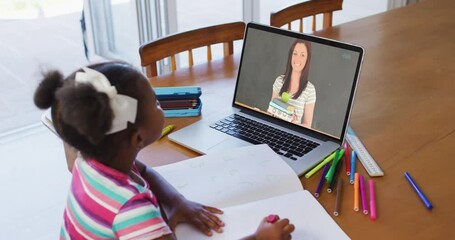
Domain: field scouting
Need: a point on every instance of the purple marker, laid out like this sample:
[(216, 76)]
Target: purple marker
[(363, 195), (321, 181)]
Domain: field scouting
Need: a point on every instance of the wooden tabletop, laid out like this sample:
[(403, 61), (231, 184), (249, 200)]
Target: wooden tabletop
[(404, 112)]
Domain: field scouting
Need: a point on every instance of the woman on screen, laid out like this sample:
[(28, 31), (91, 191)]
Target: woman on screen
[(293, 88)]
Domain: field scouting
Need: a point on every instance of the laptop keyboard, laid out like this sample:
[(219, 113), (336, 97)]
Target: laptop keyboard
[(283, 143)]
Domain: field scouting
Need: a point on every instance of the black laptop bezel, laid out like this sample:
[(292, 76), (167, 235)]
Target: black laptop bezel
[(280, 122)]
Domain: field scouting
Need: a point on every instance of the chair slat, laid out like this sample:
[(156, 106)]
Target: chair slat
[(190, 58), (173, 63), (228, 48), (314, 23), (151, 70), (209, 52), (327, 21), (306, 9)]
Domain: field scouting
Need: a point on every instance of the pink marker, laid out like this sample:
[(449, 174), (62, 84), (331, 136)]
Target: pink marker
[(272, 218), (372, 201), (363, 195)]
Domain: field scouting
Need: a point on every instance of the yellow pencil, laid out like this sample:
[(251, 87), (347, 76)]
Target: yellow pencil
[(167, 130), (356, 192), (320, 165)]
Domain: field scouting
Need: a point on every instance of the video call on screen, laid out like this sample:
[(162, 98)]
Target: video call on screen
[(269, 59)]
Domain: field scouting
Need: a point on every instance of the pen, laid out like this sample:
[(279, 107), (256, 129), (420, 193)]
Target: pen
[(321, 181), (419, 192), (332, 169), (363, 195), (372, 201), (320, 165), (356, 192), (335, 176), (346, 159), (167, 130), (353, 156), (336, 212)]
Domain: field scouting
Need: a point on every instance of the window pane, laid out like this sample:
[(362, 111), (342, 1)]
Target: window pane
[(202, 13), (115, 30)]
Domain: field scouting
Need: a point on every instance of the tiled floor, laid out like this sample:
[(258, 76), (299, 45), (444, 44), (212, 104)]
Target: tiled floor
[(34, 179)]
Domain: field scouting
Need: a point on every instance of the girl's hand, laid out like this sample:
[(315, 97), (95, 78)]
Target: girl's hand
[(200, 216), (281, 230)]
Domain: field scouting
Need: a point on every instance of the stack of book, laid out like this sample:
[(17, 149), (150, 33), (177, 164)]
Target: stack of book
[(281, 109), (180, 101)]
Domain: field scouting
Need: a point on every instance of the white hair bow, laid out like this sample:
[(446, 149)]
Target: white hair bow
[(124, 107)]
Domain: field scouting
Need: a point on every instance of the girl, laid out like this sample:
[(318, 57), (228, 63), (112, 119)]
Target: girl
[(295, 83), (109, 112)]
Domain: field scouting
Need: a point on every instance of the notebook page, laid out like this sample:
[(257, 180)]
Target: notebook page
[(232, 177), (301, 208)]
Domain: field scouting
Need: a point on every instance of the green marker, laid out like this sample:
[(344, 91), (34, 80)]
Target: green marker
[(329, 176), (320, 165)]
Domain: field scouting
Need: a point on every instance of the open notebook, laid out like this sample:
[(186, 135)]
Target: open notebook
[(249, 183)]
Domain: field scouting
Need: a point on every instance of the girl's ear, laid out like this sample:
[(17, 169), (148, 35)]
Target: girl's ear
[(137, 139)]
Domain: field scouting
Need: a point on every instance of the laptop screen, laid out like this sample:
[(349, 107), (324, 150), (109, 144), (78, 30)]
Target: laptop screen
[(299, 79)]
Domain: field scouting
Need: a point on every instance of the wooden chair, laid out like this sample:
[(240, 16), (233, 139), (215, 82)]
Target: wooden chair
[(169, 46), (306, 9)]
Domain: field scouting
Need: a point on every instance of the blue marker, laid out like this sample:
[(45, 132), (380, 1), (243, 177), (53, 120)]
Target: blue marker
[(353, 157), (419, 192)]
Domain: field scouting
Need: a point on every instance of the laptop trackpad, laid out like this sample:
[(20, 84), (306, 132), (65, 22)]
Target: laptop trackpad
[(227, 144)]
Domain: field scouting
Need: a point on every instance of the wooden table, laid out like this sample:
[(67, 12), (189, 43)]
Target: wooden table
[(404, 112)]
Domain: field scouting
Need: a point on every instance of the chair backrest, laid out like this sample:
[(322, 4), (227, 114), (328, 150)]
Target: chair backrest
[(306, 9), (169, 46)]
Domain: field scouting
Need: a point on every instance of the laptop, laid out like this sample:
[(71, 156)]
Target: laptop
[(294, 92)]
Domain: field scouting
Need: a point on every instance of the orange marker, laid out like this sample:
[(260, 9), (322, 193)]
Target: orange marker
[(356, 192)]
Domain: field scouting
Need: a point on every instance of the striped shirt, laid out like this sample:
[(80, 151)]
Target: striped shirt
[(104, 203), (308, 96)]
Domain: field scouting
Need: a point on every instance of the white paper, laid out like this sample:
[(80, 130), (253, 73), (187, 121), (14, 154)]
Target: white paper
[(309, 217), (248, 184), (232, 177)]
